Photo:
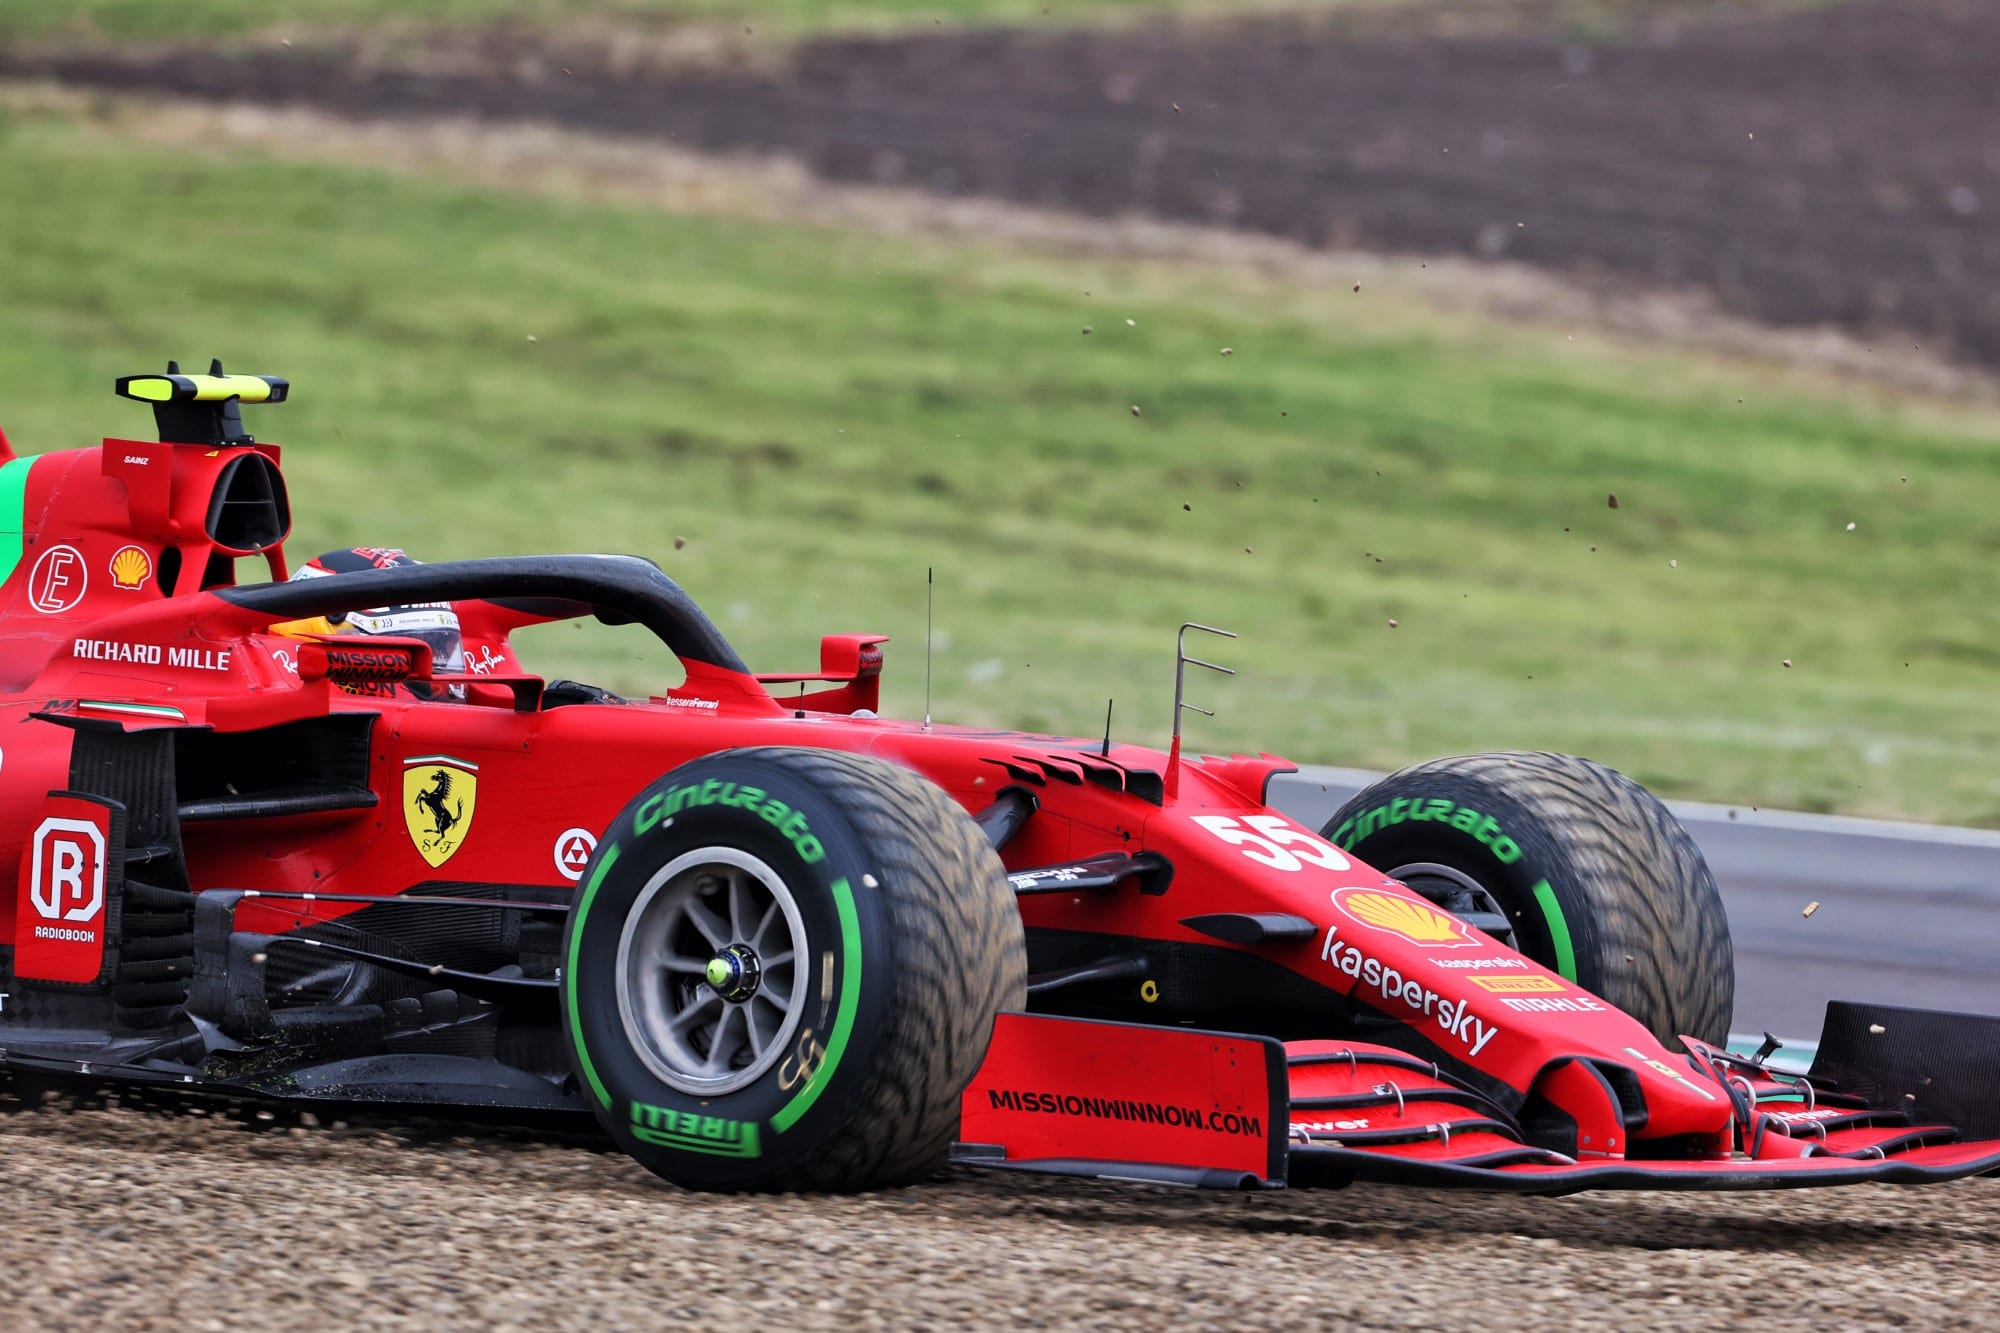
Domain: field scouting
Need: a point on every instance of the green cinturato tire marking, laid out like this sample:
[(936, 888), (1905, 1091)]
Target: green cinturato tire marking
[(569, 976), (843, 1017), (1552, 912), (13, 513)]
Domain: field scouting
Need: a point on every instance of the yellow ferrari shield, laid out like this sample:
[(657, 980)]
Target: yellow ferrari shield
[(439, 794)]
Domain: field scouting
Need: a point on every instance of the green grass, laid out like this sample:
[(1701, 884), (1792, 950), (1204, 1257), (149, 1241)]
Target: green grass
[(825, 414), (186, 20), (90, 21)]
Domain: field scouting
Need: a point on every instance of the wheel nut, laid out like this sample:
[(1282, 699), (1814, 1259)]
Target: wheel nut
[(732, 974)]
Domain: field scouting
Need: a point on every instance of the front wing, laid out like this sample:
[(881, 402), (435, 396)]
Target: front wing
[(1177, 1106)]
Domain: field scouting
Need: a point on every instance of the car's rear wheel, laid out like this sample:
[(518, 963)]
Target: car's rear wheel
[(1570, 863), (783, 969)]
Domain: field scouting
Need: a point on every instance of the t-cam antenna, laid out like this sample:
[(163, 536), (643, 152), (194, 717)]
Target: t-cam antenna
[(929, 581), (1181, 664)]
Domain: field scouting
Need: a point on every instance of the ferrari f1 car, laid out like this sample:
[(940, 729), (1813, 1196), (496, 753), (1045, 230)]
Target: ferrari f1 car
[(771, 940)]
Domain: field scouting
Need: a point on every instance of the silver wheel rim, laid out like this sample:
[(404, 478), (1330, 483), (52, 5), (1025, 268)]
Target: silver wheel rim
[(708, 912)]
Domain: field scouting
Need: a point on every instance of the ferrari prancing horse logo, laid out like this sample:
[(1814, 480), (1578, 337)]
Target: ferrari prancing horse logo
[(439, 794)]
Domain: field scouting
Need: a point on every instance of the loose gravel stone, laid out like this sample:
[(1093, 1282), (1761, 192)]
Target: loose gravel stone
[(150, 1219)]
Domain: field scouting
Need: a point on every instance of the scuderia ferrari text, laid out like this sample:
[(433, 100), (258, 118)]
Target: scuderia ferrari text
[(1454, 1016)]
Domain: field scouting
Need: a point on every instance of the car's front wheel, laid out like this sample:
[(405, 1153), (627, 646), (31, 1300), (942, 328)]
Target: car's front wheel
[(1595, 878), (783, 969)]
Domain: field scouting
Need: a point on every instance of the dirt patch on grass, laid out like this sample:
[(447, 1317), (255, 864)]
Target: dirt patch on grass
[(553, 162), (1830, 167)]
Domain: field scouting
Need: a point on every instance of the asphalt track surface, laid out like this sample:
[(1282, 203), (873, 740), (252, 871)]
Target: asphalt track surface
[(1908, 914)]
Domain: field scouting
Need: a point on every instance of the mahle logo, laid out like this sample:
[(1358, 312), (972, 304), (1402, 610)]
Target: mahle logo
[(664, 1127), (1417, 922)]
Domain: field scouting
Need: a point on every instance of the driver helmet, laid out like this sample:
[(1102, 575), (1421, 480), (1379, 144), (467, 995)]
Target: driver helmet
[(436, 623)]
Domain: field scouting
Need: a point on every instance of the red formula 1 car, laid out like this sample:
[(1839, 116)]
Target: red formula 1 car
[(781, 942)]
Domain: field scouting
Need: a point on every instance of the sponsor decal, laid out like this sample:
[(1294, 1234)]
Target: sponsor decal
[(1274, 841), (690, 1131), (1461, 817), (1413, 920), (675, 701), (1477, 964), (1663, 1068), (199, 659), (808, 1057), (350, 665), (110, 650), (790, 823), (1519, 985), (58, 580), (151, 654), (439, 795), (1126, 1108), (66, 881), (412, 619), (811, 1060), (1566, 1004), (1454, 1016), (61, 907), (1029, 879), (131, 567), (573, 849), (1803, 1116), (1329, 1126), (486, 662), (283, 657)]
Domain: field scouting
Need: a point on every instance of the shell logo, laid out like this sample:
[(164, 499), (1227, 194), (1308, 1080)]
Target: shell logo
[(130, 568), (1417, 922)]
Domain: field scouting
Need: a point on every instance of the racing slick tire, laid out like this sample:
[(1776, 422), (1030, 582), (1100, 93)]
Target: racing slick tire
[(1598, 879), (783, 968)]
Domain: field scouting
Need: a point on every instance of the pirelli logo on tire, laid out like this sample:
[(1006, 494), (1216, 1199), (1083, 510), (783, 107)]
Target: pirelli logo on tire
[(664, 1127)]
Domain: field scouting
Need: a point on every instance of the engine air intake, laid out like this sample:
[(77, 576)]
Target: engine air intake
[(248, 511)]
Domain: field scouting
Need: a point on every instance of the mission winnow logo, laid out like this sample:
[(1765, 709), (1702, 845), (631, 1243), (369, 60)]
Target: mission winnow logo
[(1125, 1108)]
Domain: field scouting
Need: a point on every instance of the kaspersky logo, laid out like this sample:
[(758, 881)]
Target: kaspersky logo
[(1417, 922), (1454, 1016)]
